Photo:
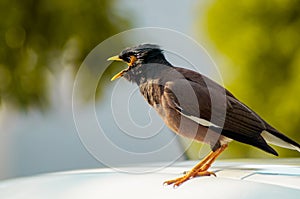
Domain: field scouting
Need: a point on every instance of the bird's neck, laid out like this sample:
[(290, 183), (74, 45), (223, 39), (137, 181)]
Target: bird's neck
[(148, 71)]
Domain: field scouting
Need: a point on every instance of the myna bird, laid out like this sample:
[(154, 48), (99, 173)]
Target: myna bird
[(194, 106)]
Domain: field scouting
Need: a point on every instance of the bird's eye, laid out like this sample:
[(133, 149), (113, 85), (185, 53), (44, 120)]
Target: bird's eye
[(127, 59)]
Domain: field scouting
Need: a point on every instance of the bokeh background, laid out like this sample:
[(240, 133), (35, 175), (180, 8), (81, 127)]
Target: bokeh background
[(255, 44)]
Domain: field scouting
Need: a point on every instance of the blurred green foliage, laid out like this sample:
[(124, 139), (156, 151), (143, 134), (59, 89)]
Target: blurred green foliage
[(34, 33), (259, 42)]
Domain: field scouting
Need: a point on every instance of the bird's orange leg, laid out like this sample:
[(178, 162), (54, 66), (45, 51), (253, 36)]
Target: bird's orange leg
[(200, 169)]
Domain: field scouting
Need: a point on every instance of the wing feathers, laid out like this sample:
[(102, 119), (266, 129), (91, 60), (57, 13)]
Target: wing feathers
[(232, 118)]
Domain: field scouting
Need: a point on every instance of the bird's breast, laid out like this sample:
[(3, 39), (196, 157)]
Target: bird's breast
[(152, 92)]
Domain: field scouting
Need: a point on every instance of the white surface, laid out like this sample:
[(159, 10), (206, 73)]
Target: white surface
[(235, 180)]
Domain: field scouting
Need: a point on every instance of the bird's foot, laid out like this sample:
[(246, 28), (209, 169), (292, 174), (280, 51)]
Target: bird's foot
[(205, 173), (201, 169), (189, 175)]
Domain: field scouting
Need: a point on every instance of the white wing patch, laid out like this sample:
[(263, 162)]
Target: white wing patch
[(203, 122), (277, 141), (200, 121)]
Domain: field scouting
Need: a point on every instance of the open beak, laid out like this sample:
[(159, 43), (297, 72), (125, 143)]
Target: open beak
[(120, 74)]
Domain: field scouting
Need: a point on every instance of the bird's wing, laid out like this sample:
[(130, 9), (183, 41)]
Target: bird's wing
[(202, 80), (209, 105)]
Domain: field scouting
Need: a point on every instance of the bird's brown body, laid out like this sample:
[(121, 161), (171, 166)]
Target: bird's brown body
[(159, 93), (196, 107)]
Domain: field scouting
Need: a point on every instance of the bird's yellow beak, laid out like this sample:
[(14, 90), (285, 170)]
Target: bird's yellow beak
[(116, 58), (130, 64)]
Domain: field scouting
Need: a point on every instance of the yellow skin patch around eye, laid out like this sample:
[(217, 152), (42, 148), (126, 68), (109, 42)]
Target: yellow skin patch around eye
[(132, 60), (117, 58)]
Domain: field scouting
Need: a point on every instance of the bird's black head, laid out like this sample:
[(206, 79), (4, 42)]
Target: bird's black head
[(136, 57)]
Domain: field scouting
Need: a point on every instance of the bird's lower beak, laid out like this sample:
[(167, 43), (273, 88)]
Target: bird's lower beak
[(120, 74)]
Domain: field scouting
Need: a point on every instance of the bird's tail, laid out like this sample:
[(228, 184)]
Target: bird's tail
[(274, 137)]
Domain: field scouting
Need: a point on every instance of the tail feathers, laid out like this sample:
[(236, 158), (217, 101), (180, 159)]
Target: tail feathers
[(265, 147), (257, 141), (272, 136)]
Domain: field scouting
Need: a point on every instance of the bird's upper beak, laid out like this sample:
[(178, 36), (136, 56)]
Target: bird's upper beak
[(115, 58), (120, 74)]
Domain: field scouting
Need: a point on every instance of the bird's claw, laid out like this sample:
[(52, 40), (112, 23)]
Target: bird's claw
[(176, 182), (188, 175)]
